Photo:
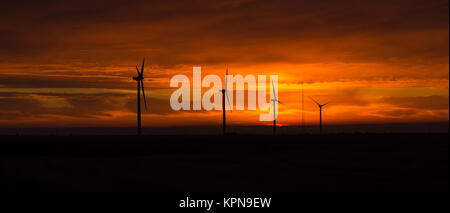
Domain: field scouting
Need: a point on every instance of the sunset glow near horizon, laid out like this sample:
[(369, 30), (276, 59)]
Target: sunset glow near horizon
[(71, 64)]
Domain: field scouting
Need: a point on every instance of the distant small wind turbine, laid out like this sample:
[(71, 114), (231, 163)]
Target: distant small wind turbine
[(140, 85), (320, 107), (225, 93), (274, 100)]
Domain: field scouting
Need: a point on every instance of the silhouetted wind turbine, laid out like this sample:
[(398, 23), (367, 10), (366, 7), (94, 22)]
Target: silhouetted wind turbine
[(320, 107), (140, 85), (274, 100), (225, 93)]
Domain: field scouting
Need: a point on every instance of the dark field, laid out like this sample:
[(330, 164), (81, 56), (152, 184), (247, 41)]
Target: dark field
[(293, 164)]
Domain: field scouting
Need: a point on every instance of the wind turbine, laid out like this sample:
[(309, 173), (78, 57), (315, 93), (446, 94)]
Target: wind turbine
[(140, 85), (225, 93), (320, 107), (274, 100)]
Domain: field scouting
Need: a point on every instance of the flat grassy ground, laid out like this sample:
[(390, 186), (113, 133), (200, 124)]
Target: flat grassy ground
[(235, 163)]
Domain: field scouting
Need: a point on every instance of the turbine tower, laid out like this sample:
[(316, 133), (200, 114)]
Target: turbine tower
[(140, 85), (320, 107), (225, 93), (274, 100)]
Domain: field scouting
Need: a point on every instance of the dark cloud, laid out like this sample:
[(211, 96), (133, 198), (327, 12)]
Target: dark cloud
[(96, 44), (421, 102), (16, 106), (26, 81), (212, 32)]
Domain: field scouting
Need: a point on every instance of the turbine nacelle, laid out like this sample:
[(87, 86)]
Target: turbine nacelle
[(318, 104), (275, 100)]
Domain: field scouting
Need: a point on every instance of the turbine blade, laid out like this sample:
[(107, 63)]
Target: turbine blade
[(228, 99), (314, 101), (274, 94), (143, 94), (280, 102), (226, 79), (142, 69), (226, 87), (326, 104), (139, 74)]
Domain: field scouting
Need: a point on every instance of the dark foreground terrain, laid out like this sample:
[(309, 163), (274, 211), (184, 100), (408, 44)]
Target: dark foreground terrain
[(297, 164)]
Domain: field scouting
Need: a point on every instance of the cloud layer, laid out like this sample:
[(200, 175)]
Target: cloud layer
[(398, 49)]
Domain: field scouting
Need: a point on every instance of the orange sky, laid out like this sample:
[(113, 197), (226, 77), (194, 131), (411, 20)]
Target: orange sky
[(71, 63)]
